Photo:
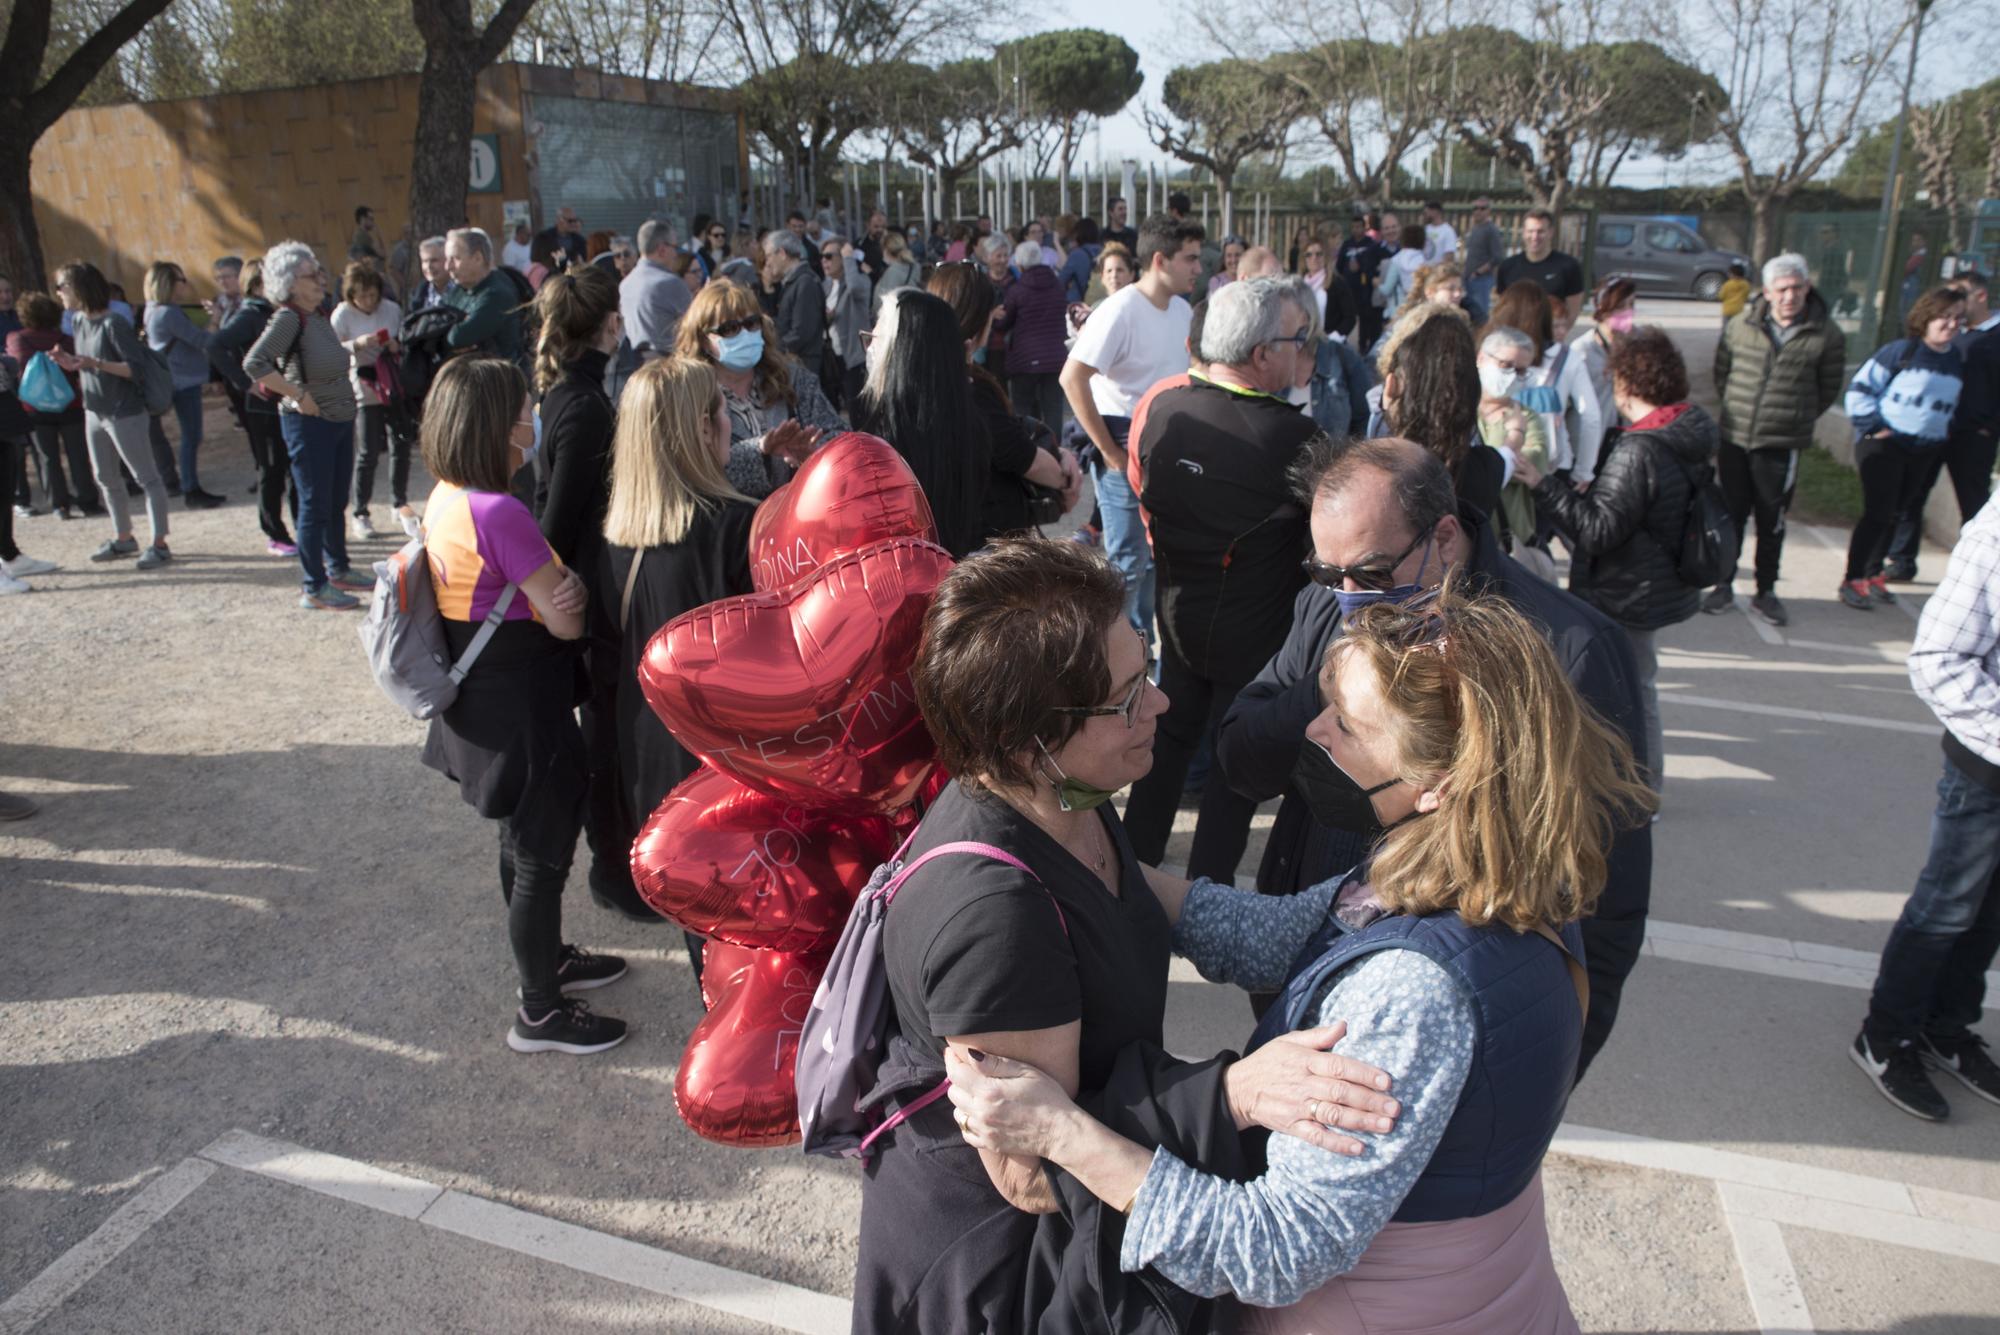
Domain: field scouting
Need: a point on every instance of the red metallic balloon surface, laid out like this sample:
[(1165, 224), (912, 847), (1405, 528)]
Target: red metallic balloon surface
[(735, 1082), (736, 865), (853, 491), (805, 693)]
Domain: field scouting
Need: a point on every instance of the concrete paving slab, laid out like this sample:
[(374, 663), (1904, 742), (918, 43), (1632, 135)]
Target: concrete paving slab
[(1857, 1286), (245, 1254)]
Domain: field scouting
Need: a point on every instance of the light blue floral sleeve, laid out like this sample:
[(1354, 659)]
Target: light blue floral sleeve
[(1242, 937), (1313, 1213)]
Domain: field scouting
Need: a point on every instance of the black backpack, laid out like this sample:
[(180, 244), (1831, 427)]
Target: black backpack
[(422, 336), (1708, 534)]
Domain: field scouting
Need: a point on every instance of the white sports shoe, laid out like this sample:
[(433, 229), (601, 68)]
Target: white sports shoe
[(362, 529), (25, 565), (8, 584)]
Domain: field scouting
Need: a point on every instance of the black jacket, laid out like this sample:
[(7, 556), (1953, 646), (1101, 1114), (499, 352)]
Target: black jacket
[(1227, 534), (227, 348), (1979, 400), (1626, 530), (802, 315), (573, 479), (1258, 749)]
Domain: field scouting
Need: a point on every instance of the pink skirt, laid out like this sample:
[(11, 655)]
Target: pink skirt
[(1457, 1277)]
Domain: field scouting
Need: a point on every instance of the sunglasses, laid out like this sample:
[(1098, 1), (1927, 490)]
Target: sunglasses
[(829, 254), (1128, 707), (742, 326), (1376, 578)]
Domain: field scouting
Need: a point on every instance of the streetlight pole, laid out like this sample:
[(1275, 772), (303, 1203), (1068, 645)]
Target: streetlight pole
[(1892, 197)]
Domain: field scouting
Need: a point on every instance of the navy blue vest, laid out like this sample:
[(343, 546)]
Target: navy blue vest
[(1523, 1062)]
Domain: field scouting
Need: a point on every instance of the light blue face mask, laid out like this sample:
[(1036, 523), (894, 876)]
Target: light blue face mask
[(1352, 601), (743, 349), (534, 448)]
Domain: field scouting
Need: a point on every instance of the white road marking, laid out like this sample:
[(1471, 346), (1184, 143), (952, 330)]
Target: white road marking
[(1794, 1210), (75, 1267), (327, 1174), (1804, 715), (1775, 1297)]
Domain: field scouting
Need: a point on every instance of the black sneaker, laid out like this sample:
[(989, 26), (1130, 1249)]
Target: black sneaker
[(570, 1028), (1900, 571), (1899, 1074), (1767, 606), (204, 500), (580, 970), (1718, 600), (1965, 1059)]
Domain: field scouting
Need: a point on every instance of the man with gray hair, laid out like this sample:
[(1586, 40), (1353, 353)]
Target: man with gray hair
[(1227, 539), (486, 294), (800, 304), (1781, 362), (652, 298), (436, 284)]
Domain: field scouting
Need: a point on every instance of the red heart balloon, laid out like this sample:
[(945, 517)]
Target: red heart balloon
[(735, 1084), (853, 491), (736, 865), (805, 693)]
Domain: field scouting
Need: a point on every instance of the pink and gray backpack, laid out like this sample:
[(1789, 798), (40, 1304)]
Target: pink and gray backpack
[(852, 1018)]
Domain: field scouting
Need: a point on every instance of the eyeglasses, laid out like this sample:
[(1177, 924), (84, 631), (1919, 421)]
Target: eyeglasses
[(1314, 253), (1376, 578), (829, 254), (742, 326), (1298, 340), (1129, 706)]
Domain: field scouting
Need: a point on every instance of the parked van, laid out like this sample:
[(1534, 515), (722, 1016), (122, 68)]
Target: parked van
[(1663, 256)]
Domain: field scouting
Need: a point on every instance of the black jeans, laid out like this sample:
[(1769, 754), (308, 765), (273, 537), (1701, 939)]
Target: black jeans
[(1932, 979), (1759, 482), (382, 429), (163, 451), (1222, 828), (1038, 396), (74, 485), (532, 890), (274, 474), (1892, 469), (10, 459), (1969, 455)]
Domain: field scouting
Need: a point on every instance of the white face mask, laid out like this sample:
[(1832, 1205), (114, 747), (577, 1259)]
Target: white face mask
[(1499, 381)]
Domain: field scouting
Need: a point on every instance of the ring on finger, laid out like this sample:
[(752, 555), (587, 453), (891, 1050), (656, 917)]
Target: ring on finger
[(958, 1115), (1312, 1109)]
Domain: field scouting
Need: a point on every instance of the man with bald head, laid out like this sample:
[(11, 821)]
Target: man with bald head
[(1385, 525), (1259, 262)]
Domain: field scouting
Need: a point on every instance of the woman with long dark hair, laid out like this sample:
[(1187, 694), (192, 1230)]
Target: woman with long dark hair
[(1430, 394), (1015, 461), (919, 399)]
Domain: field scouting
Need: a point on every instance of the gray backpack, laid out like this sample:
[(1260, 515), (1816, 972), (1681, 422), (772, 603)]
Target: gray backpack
[(852, 1018), (403, 635)]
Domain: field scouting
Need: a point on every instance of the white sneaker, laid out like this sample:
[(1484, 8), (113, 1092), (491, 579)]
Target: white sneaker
[(8, 584), (362, 529), (412, 526), (24, 565)]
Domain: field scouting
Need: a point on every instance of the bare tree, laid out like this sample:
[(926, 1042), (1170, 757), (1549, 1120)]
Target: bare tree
[(30, 102), (1799, 75), (456, 49), (649, 39), (1935, 133)]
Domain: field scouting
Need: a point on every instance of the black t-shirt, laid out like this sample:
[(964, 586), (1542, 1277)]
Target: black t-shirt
[(1558, 274), (1360, 259), (1004, 508), (974, 946)]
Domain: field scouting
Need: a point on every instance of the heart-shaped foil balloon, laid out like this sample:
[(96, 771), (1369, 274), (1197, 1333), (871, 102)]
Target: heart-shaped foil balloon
[(733, 864), (853, 491), (735, 1084), (804, 693)]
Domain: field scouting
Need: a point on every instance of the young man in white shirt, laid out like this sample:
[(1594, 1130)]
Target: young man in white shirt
[(1440, 238), (1133, 339)]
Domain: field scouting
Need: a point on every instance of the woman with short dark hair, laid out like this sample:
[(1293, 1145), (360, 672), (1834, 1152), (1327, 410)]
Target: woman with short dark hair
[(114, 411), (1900, 404), (509, 740), (1625, 532), (368, 322), (56, 435)]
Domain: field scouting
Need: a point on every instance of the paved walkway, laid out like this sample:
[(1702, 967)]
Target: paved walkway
[(255, 984)]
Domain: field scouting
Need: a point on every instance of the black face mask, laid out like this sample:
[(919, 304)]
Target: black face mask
[(1335, 799)]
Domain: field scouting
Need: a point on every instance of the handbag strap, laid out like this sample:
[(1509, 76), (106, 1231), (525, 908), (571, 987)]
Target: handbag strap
[(1579, 979), (487, 630), (631, 582)]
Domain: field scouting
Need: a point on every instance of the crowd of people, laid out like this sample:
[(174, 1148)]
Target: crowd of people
[(1330, 493)]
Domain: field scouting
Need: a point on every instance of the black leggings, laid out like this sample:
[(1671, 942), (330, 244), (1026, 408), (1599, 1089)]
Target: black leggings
[(382, 430), (532, 889), (55, 440), (10, 459), (274, 474), (1894, 471)]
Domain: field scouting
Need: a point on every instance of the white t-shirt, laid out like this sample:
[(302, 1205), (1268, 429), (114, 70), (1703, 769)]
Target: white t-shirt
[(349, 324), (516, 255), (1439, 241), (1133, 345)]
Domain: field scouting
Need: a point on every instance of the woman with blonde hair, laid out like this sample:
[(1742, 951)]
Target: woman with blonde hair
[(676, 536), (777, 411), (1452, 955), (509, 740)]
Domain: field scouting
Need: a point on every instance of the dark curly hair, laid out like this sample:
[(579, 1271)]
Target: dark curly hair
[(1647, 366), (1932, 304)]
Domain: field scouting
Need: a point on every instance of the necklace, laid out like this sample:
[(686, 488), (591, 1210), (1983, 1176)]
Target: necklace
[(1097, 841)]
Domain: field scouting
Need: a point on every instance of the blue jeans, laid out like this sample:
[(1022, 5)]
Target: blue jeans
[(322, 455), (1480, 291), (187, 411), (1932, 979), (1125, 534)]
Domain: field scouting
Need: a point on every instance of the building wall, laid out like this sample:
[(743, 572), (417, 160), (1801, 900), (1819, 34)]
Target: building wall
[(194, 179)]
